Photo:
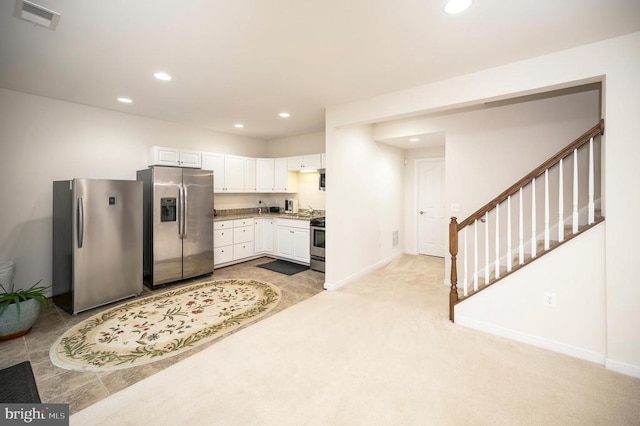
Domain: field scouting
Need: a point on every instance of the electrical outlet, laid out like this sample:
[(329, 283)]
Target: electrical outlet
[(550, 300), (259, 202)]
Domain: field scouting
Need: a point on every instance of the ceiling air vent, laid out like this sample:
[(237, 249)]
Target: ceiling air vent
[(36, 14)]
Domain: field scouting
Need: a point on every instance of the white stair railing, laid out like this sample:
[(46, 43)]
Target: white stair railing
[(493, 250), (591, 202), (576, 217), (561, 201)]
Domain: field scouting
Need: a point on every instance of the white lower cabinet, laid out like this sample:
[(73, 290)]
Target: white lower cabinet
[(222, 242), (232, 240), (292, 239), (242, 250), (236, 240), (263, 241), (242, 238), (222, 255)]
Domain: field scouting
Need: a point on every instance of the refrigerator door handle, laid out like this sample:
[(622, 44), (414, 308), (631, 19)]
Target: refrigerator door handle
[(180, 211), (184, 210), (80, 223)]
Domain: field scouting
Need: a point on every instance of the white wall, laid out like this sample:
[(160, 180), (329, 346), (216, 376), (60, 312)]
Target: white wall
[(617, 62), (479, 141), (312, 143), (365, 184), (575, 326), (42, 140)]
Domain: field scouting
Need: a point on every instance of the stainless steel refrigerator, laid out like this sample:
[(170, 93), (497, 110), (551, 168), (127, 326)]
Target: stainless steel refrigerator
[(178, 223), (97, 242)]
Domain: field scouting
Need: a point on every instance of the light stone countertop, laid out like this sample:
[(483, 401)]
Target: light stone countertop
[(298, 216)]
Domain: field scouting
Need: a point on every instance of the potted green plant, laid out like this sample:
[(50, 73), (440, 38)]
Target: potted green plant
[(19, 309)]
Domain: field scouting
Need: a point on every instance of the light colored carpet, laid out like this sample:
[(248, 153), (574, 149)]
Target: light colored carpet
[(380, 351)]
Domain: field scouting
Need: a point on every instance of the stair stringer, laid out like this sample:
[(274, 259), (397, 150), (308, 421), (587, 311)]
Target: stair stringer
[(514, 307)]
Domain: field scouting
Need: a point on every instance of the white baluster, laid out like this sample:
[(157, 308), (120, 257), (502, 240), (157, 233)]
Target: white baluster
[(575, 191), (497, 261), (521, 232), (592, 206), (509, 233), (475, 255), (465, 282), (546, 209), (534, 242), (486, 248), (561, 203)]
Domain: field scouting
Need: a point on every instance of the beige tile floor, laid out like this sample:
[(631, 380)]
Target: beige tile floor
[(79, 390)]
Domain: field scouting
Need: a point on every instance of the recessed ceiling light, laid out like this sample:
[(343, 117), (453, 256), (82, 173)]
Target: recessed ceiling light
[(284, 114), (125, 100), (414, 140), (456, 6), (162, 76), (238, 125)]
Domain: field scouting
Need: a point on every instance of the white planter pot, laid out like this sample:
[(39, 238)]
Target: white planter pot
[(11, 326)]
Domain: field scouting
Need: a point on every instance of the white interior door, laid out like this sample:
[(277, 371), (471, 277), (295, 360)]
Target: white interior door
[(431, 220)]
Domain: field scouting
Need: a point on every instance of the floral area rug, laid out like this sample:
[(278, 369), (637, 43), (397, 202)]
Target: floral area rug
[(157, 327)]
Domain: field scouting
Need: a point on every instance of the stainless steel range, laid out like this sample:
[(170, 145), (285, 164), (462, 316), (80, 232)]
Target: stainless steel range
[(317, 244)]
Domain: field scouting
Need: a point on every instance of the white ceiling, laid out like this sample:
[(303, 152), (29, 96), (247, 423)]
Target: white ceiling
[(416, 141), (247, 60)]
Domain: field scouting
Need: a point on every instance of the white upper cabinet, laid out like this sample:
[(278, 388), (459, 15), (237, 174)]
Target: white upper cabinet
[(281, 175), (250, 175), (163, 156), (272, 175), (233, 173), (228, 171), (215, 162), (284, 181), (304, 162), (264, 174)]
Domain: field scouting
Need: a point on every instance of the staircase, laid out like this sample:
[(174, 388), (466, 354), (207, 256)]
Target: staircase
[(518, 227)]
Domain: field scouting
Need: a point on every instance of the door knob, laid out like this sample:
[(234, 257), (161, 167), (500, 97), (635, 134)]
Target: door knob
[(421, 212)]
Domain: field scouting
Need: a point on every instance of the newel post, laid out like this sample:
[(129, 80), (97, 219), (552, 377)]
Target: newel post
[(453, 250)]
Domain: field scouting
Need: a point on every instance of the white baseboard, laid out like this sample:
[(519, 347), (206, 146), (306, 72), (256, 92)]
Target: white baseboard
[(562, 348), (342, 283), (621, 367)]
